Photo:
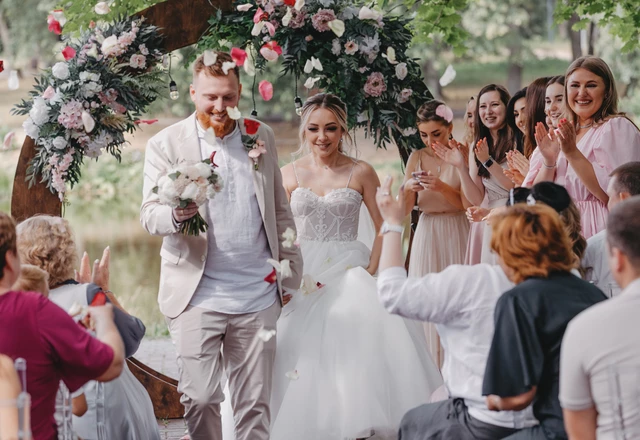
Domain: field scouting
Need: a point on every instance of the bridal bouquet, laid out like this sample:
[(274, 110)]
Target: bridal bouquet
[(187, 183)]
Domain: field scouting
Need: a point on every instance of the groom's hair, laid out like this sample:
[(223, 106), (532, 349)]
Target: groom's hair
[(7, 240), (214, 69)]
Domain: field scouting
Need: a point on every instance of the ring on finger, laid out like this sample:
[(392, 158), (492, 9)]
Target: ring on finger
[(385, 193)]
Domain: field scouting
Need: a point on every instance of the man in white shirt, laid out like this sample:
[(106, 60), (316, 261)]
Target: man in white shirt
[(624, 183), (218, 292), (460, 300), (600, 359)]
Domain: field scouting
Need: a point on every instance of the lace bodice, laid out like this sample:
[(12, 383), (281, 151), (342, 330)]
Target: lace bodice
[(332, 217)]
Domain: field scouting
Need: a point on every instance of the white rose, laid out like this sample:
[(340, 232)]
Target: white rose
[(401, 71), (190, 192), (60, 70), (102, 8), (203, 169), (40, 111), (108, 44), (59, 143)]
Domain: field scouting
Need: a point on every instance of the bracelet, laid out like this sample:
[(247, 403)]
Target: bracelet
[(549, 167), (107, 291)]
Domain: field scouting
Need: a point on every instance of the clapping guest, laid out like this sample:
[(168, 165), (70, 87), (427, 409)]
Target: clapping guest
[(554, 105), (624, 183), (48, 242), (581, 153), (460, 300), (441, 236), (523, 363), (53, 345), (517, 120), (600, 358)]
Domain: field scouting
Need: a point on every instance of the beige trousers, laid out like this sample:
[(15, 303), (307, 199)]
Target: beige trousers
[(207, 341)]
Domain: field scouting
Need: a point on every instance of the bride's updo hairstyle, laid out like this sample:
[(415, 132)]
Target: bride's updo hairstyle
[(335, 106)]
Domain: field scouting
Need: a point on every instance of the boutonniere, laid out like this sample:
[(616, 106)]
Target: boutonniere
[(255, 147)]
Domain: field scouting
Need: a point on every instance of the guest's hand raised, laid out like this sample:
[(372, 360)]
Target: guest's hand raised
[(548, 144), (392, 209), (452, 156), (517, 161), (514, 175), (100, 273), (567, 137), (183, 214), (477, 213), (481, 150)]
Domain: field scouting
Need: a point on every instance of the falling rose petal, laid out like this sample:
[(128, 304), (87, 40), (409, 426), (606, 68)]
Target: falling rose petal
[(212, 159), (8, 140), (49, 93), (266, 90), (292, 375), (102, 8), (1, 66), (265, 334), (54, 25), (239, 56), (310, 82), (289, 236), (209, 58), (290, 2), (337, 26), (272, 277), (234, 113), (88, 122), (228, 65), (448, 76), (245, 7), (145, 121), (68, 53)]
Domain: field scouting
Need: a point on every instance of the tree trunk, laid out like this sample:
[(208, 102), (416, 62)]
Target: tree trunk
[(431, 78), (514, 80), (576, 49), (5, 38), (593, 37)]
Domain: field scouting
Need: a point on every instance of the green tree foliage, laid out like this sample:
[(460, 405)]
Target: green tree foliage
[(621, 17), (26, 34), (80, 13)]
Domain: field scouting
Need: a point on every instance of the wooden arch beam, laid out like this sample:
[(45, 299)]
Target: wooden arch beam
[(182, 23)]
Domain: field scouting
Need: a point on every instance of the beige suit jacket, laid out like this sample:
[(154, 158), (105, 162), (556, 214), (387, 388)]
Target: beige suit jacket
[(184, 257)]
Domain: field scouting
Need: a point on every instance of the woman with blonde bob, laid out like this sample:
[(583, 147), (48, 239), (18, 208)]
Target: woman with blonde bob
[(523, 365), (47, 242)]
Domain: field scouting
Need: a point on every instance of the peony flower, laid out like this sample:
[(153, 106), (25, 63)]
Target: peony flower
[(350, 47), (30, 128), (138, 61), (39, 112), (238, 56), (271, 50), (335, 47), (404, 96), (298, 19), (401, 71), (68, 53), (71, 115), (337, 26), (321, 19), (59, 143), (375, 85), (204, 170), (143, 49), (266, 90), (102, 8), (110, 46), (245, 7)]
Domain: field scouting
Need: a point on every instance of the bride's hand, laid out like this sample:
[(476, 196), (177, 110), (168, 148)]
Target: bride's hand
[(392, 209), (285, 299)]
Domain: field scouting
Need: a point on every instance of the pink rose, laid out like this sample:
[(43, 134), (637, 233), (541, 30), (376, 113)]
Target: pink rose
[(375, 85)]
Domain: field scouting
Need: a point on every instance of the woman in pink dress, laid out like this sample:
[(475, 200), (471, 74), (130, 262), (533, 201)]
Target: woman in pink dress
[(581, 153)]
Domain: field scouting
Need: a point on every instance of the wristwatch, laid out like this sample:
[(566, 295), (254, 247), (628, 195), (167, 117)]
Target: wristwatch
[(488, 163), (388, 227)]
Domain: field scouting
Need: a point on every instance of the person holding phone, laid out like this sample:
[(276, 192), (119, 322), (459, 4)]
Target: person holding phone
[(433, 185)]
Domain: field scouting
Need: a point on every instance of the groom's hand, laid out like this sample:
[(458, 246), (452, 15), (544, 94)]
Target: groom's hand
[(183, 214)]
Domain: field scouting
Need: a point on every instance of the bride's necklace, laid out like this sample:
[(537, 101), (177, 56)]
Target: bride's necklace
[(439, 166), (582, 127)]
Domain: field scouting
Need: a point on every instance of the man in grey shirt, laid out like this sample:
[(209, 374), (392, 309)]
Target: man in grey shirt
[(600, 359)]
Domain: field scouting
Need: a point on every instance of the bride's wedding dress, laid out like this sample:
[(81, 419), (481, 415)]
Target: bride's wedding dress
[(344, 367)]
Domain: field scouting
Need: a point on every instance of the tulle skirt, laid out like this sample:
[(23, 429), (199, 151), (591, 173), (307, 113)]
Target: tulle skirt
[(440, 240), (344, 367)]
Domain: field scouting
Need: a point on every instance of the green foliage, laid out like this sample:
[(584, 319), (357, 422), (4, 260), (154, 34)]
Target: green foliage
[(622, 17), (386, 117), (26, 22), (80, 13)]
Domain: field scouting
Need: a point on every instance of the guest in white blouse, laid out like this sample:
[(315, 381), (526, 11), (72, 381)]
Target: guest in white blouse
[(460, 300), (624, 183)]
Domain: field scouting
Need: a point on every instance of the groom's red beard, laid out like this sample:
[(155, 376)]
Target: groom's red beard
[(219, 128)]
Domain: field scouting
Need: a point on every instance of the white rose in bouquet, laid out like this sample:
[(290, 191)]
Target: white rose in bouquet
[(189, 183), (60, 70)]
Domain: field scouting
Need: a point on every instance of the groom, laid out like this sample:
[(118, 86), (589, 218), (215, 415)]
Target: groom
[(217, 290)]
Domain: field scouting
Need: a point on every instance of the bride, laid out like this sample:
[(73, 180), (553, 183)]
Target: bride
[(344, 367)]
